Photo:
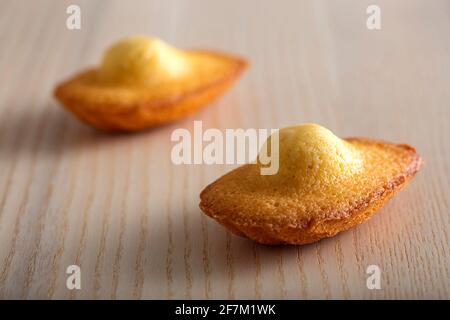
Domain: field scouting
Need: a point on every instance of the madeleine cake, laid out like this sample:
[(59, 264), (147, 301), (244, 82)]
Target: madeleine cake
[(324, 185), (143, 82)]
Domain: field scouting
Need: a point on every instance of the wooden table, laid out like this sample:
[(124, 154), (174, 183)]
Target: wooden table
[(116, 206)]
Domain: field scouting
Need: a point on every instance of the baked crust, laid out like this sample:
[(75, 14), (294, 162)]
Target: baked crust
[(249, 204), (128, 108)]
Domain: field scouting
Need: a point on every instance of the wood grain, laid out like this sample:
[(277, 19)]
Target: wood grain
[(116, 205)]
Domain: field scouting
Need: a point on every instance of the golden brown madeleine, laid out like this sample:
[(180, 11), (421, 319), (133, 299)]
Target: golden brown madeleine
[(143, 82), (324, 185)]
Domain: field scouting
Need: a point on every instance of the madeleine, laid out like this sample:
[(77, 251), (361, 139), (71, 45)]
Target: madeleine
[(143, 82), (324, 185)]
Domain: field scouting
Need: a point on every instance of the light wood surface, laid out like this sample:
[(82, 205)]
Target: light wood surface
[(116, 205)]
